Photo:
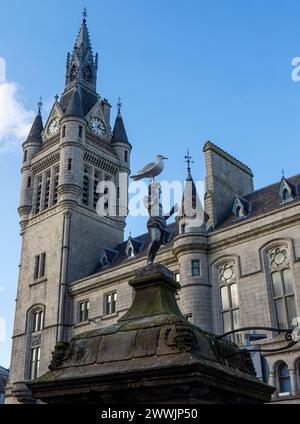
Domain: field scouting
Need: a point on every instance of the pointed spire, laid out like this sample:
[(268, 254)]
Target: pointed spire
[(189, 198), (188, 158), (83, 39), (119, 132), (35, 133), (74, 107)]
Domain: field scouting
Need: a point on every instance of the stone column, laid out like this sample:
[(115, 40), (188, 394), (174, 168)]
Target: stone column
[(293, 382)]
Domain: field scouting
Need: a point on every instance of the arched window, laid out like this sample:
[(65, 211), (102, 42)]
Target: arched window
[(35, 327), (130, 252), (229, 300), (87, 73), (282, 286), (73, 73), (285, 195), (238, 212), (284, 380), (86, 186)]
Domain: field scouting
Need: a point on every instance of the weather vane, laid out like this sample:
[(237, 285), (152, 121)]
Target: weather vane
[(40, 104), (84, 13), (119, 104), (188, 160)]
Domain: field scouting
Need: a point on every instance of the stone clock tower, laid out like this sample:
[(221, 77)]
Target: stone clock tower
[(62, 234)]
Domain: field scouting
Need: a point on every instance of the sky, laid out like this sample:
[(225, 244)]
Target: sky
[(187, 71)]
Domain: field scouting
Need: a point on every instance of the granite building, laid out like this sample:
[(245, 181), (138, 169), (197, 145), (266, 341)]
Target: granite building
[(241, 268)]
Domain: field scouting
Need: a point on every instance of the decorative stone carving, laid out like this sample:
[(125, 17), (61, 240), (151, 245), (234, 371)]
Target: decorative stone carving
[(278, 257)]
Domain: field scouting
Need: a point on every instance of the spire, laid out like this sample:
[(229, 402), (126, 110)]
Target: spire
[(35, 133), (74, 107), (83, 38), (188, 159), (81, 66), (189, 198), (119, 132)]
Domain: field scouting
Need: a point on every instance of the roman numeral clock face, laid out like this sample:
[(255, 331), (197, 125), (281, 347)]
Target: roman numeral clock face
[(97, 126)]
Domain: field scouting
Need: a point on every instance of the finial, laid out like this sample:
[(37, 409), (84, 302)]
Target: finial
[(282, 173), (84, 14), (56, 97), (188, 160), (119, 105), (40, 104), (129, 234)]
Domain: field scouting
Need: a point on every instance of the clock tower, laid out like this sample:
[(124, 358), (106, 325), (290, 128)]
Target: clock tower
[(62, 231)]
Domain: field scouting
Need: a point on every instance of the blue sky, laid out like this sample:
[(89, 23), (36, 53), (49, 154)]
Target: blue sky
[(186, 70)]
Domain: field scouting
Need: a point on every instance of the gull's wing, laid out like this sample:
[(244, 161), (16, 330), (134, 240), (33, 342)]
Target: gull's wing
[(146, 168)]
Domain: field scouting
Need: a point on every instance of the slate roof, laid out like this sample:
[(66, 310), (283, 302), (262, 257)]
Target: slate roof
[(74, 106), (264, 200), (144, 240), (35, 133), (88, 100), (119, 132)]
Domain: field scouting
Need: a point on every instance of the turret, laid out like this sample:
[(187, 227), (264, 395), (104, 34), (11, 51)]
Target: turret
[(190, 249), (31, 147), (73, 130), (122, 148)]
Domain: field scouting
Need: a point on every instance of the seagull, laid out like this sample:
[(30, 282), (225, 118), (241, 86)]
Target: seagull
[(151, 170)]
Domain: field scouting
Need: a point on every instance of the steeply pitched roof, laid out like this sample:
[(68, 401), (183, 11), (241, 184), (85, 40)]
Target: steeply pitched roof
[(88, 100), (74, 107), (35, 133), (264, 200), (144, 240), (119, 132)]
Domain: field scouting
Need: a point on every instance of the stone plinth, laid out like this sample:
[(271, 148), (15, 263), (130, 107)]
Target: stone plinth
[(152, 355)]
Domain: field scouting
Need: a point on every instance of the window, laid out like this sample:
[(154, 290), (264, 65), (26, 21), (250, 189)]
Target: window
[(239, 213), (35, 326), (285, 195), (63, 132), (284, 380), (84, 311), (130, 252), (55, 185), (110, 303), (28, 182), (283, 296), (86, 187), (38, 317), (25, 156), (80, 131), (126, 156), (73, 73), (282, 286), (39, 266), (183, 229), (229, 300), (69, 164), (35, 362), (47, 190), (177, 277), (95, 194), (87, 73), (195, 268), (38, 194)]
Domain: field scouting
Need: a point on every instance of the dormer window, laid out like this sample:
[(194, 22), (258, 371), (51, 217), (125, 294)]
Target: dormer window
[(286, 191), (241, 207), (133, 247)]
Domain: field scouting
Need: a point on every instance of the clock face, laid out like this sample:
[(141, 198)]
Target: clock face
[(97, 126), (54, 126)]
